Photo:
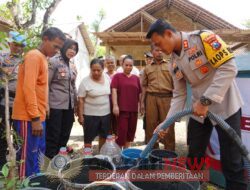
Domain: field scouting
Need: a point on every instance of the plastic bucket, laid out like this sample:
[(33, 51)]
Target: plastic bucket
[(42, 182), (130, 156), (159, 184), (165, 156), (157, 155), (76, 174)]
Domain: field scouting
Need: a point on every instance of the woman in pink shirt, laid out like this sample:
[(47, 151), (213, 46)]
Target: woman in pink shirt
[(126, 94)]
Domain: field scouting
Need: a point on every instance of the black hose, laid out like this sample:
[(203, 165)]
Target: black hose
[(228, 130)]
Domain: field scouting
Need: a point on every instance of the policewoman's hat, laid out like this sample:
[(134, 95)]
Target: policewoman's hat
[(17, 38)]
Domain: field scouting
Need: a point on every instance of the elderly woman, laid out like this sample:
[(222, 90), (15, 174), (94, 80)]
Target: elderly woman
[(62, 98), (126, 94), (94, 105), (110, 65)]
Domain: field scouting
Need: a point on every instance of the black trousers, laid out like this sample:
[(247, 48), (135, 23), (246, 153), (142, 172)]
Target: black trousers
[(58, 128), (3, 142), (231, 159)]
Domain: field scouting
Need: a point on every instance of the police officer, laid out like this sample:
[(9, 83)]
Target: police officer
[(62, 98), (9, 67), (203, 59)]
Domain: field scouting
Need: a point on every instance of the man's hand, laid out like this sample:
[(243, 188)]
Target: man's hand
[(81, 119), (161, 133), (157, 128), (47, 112), (142, 109), (116, 110), (37, 128), (199, 109), (76, 110)]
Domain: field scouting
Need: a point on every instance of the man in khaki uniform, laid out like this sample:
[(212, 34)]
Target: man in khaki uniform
[(204, 60), (158, 85)]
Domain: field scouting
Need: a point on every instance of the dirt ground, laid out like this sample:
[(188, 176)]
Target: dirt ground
[(76, 139)]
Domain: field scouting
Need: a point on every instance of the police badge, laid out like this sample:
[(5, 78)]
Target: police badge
[(213, 41)]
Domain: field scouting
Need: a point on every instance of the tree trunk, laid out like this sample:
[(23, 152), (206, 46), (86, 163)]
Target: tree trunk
[(49, 12), (11, 157)]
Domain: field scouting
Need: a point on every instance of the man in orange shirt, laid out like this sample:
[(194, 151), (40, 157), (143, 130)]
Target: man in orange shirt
[(30, 104)]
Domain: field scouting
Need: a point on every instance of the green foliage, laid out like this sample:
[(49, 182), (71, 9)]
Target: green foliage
[(79, 18), (247, 23), (5, 170), (5, 182), (5, 12), (3, 42), (34, 31), (33, 37), (101, 51), (96, 26)]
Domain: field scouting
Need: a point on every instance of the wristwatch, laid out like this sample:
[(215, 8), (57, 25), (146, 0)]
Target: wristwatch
[(205, 101)]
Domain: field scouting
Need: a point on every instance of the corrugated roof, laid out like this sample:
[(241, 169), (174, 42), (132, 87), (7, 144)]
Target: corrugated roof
[(189, 9)]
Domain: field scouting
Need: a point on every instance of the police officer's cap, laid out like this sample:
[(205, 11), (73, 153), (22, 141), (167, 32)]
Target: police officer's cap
[(17, 38), (148, 54), (159, 26)]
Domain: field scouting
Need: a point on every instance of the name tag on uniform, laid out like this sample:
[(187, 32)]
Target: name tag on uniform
[(62, 72)]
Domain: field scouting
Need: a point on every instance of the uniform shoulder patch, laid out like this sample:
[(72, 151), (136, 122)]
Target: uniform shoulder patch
[(216, 50)]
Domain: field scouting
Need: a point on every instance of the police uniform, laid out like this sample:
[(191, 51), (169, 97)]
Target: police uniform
[(208, 65), (9, 65), (62, 100)]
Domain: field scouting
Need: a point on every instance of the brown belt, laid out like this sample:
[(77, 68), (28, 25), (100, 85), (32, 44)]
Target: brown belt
[(168, 94)]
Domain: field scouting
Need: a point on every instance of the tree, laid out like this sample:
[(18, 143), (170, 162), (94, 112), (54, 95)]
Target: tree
[(25, 16), (24, 13), (96, 26)]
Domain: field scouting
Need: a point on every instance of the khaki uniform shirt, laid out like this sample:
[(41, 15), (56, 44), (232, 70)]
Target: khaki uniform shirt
[(217, 84), (62, 90), (9, 63), (157, 78)]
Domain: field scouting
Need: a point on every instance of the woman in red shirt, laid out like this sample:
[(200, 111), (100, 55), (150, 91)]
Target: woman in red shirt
[(126, 95)]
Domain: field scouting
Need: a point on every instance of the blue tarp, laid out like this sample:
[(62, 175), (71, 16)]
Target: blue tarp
[(243, 62)]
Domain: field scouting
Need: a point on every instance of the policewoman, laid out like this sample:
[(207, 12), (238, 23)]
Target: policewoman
[(62, 98), (204, 60), (9, 62)]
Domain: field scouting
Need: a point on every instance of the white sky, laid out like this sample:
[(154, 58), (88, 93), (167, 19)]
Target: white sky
[(235, 12)]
